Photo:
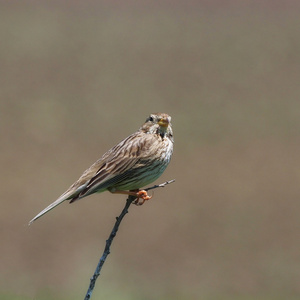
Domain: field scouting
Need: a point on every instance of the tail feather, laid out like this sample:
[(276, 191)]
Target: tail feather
[(48, 208), (71, 194)]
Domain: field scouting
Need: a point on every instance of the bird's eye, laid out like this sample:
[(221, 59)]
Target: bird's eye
[(151, 119)]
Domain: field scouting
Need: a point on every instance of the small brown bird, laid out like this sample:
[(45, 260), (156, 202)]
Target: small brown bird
[(133, 163)]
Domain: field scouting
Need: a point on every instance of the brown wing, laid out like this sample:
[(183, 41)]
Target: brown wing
[(131, 153)]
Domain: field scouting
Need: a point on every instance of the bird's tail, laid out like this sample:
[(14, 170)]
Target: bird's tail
[(61, 199)]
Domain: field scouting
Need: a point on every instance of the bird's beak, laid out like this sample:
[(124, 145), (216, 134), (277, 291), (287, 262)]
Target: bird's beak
[(164, 122)]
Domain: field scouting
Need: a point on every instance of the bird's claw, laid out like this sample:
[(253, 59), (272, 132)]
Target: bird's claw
[(142, 196)]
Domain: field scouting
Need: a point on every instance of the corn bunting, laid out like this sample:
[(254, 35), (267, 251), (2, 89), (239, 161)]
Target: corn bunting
[(133, 163)]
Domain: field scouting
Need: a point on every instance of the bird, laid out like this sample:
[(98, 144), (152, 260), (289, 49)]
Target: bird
[(133, 163)]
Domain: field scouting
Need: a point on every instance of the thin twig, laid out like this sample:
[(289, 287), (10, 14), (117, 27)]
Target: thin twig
[(112, 235), (107, 247), (160, 185)]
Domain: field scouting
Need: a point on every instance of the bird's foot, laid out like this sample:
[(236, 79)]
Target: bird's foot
[(142, 196)]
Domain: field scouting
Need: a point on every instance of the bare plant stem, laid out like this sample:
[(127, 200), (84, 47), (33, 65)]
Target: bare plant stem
[(112, 235), (107, 247)]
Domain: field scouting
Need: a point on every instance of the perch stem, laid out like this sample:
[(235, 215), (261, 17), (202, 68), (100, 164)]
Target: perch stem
[(112, 235)]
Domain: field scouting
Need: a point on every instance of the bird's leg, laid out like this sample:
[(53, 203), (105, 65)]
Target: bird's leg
[(139, 194)]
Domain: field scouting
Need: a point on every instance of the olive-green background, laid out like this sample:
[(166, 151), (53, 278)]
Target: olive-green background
[(76, 77)]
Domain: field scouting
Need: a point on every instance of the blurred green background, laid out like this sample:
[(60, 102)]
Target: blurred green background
[(79, 76)]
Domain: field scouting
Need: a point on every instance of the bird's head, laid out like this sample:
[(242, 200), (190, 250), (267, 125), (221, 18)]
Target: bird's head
[(158, 123)]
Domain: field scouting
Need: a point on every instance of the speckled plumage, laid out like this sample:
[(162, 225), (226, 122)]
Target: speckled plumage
[(135, 162)]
